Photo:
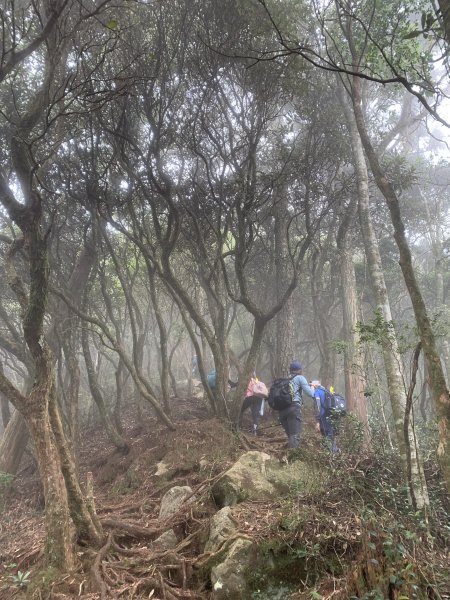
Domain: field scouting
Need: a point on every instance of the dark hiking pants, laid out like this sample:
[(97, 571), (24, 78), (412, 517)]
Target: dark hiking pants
[(254, 403), (290, 418)]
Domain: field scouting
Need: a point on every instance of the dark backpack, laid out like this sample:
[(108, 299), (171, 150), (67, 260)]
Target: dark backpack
[(281, 393), (334, 403)]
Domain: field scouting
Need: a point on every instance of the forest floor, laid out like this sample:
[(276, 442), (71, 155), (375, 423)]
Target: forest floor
[(342, 556)]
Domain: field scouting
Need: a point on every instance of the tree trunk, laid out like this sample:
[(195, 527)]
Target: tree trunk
[(163, 339), (173, 379), (72, 394), (284, 321), (87, 525), (6, 413), (59, 550), (121, 377), (13, 444), (353, 360), (446, 352), (380, 398), (436, 380), (323, 298), (111, 431), (444, 6), (391, 354)]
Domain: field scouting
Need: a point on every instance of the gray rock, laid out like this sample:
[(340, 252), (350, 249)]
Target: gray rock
[(166, 541), (220, 528), (173, 499), (228, 578)]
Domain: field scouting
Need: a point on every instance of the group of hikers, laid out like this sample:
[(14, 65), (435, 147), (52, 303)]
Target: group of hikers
[(286, 397)]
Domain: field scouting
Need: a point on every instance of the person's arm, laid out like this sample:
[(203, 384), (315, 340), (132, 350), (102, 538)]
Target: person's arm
[(318, 408), (305, 387), (317, 405)]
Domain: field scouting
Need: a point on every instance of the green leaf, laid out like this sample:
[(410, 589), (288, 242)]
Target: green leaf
[(112, 24), (412, 34)]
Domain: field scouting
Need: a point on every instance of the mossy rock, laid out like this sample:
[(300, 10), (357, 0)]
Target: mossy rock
[(257, 476), (229, 577)]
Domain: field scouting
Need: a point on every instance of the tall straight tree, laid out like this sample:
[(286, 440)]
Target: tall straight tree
[(436, 378), (391, 355), (353, 360)]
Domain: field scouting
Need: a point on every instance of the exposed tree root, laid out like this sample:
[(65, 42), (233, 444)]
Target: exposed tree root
[(97, 566), (127, 572), (136, 531)]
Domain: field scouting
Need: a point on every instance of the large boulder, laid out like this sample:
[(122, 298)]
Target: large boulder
[(228, 578), (258, 476), (173, 499), (246, 478)]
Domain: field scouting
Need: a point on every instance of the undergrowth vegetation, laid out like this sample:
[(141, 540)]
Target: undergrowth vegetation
[(361, 539)]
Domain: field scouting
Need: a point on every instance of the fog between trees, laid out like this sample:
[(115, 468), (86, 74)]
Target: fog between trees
[(242, 182)]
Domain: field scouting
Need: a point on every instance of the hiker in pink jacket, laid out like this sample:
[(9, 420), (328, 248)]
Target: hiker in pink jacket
[(254, 399)]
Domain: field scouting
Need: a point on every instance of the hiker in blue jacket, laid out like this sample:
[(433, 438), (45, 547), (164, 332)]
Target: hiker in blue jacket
[(290, 417), (324, 424)]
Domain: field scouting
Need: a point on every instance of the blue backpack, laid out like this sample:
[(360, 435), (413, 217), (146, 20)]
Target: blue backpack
[(335, 404)]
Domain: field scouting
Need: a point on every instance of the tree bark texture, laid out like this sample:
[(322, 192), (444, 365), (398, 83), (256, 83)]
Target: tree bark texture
[(6, 413), (59, 550)]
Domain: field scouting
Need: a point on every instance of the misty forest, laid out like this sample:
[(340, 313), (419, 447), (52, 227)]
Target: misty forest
[(199, 197)]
